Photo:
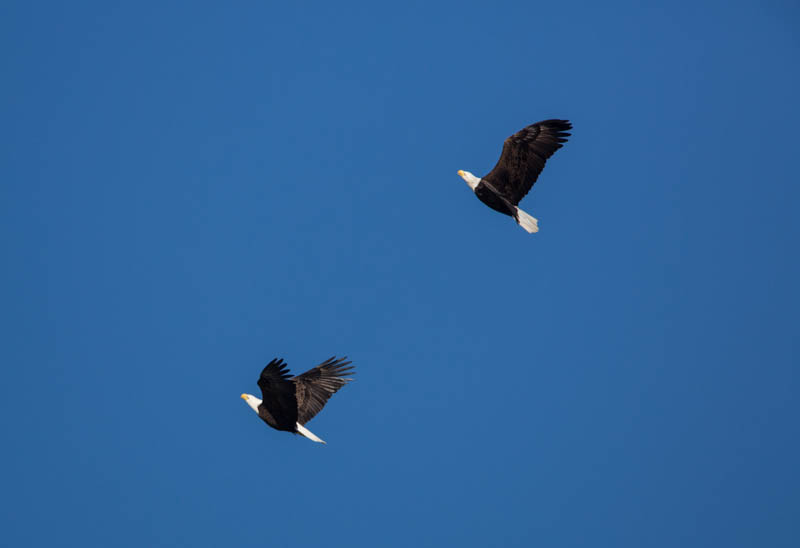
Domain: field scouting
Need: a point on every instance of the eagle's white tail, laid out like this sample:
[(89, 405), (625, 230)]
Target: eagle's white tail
[(307, 433), (530, 224)]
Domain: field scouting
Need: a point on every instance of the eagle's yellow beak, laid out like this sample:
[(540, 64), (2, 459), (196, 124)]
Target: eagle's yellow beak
[(461, 172), (243, 396)]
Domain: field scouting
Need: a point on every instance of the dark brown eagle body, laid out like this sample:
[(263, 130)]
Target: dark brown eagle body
[(487, 194), (289, 400)]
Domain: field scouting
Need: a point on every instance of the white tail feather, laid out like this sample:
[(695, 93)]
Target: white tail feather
[(530, 224), (308, 433)]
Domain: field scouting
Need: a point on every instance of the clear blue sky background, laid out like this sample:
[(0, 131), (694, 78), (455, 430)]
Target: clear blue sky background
[(190, 189)]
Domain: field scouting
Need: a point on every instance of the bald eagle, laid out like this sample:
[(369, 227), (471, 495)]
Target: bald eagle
[(523, 158), (290, 402)]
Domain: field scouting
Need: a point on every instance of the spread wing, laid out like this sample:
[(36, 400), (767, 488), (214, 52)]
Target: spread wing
[(524, 155), (316, 386), (277, 390)]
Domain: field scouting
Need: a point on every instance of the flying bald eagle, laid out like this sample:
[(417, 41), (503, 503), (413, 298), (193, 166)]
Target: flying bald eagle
[(523, 158), (290, 402)]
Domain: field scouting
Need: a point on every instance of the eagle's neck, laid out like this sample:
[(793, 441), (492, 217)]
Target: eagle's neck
[(471, 180)]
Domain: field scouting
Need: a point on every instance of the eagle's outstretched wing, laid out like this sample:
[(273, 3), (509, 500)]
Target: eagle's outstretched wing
[(524, 155), (278, 392), (316, 386)]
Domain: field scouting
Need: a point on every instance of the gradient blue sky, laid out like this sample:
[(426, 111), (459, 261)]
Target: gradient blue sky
[(190, 189)]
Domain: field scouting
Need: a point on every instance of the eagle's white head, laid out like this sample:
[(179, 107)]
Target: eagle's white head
[(252, 401), (471, 180)]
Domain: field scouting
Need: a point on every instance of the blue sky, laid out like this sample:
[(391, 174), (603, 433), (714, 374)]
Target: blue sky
[(191, 189)]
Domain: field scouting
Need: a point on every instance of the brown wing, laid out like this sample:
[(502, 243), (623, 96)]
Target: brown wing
[(316, 386), (524, 155), (278, 393)]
